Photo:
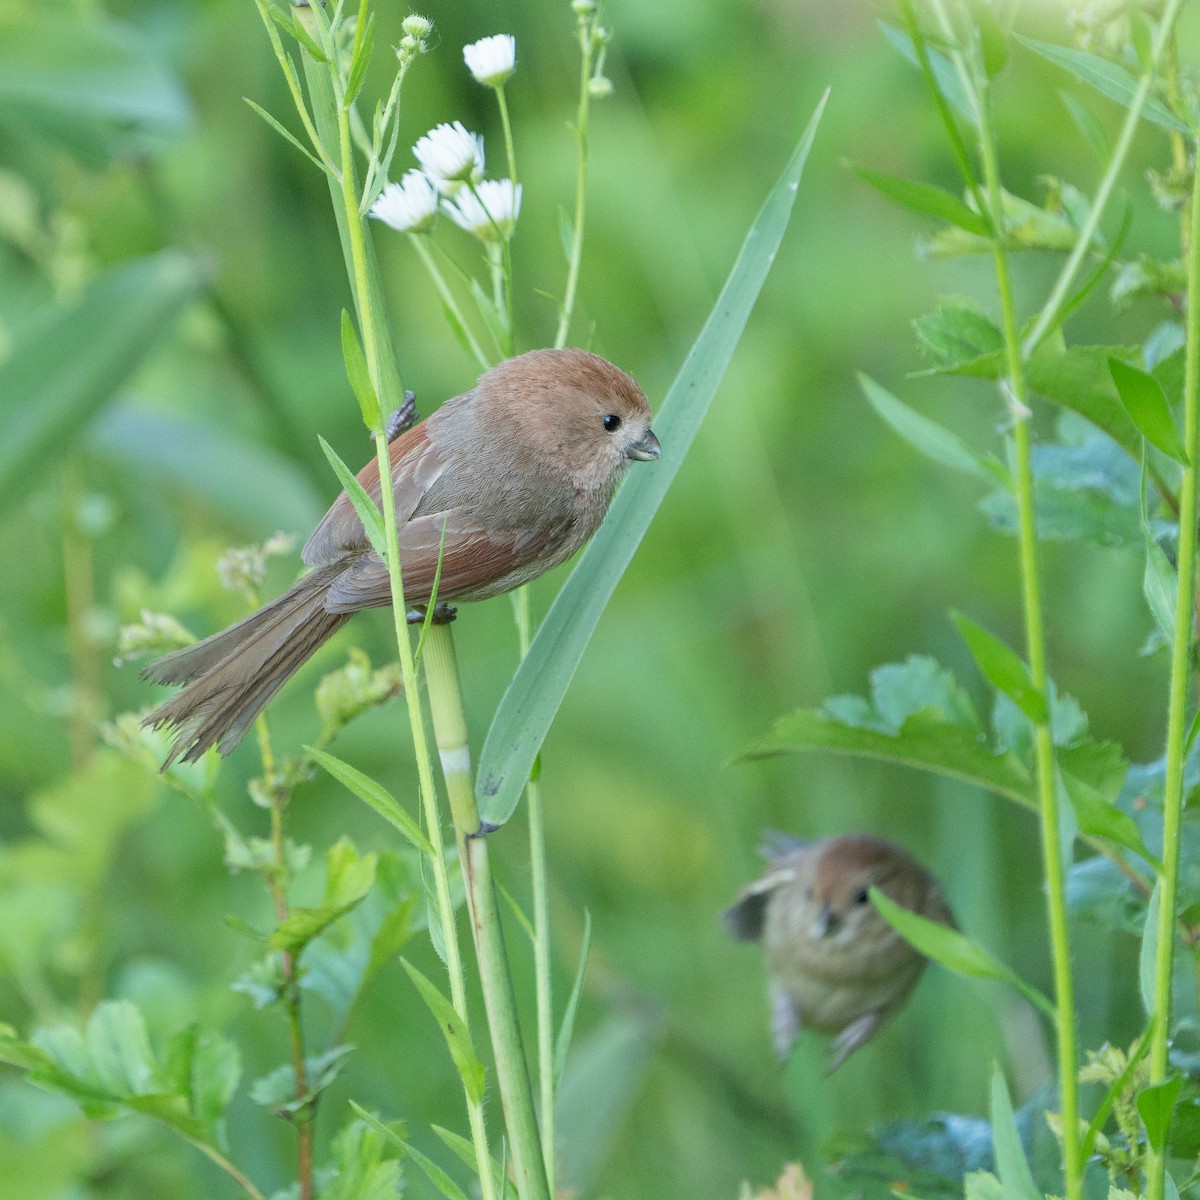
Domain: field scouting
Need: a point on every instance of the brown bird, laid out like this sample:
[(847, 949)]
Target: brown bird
[(515, 475), (833, 963)]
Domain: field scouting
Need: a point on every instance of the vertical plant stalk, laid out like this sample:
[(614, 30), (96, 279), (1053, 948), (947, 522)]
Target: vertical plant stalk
[(1181, 656), (306, 1114), (1035, 645), (333, 123), (512, 1071), (421, 245)]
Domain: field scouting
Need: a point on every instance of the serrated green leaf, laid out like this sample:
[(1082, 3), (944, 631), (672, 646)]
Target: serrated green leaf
[(118, 1047), (1099, 818), (1156, 1103), (541, 681), (367, 509), (926, 199), (931, 439), (455, 1031), (1146, 403), (1011, 1163), (359, 375), (1003, 668), (958, 337), (362, 1170), (952, 949), (1106, 77), (348, 879), (566, 1030), (375, 795)]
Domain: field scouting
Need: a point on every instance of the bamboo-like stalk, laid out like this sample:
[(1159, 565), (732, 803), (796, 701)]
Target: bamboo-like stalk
[(512, 1071)]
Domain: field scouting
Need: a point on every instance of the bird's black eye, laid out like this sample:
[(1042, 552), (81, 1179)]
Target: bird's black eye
[(611, 422), (862, 897)]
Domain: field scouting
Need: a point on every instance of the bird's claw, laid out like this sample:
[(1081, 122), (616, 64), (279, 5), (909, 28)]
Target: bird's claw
[(405, 417), (443, 614)]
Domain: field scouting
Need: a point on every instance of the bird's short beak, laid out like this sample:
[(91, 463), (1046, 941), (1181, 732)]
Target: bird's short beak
[(646, 448), (824, 923)]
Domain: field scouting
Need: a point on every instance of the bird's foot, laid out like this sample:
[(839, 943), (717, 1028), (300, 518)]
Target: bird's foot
[(485, 827), (443, 614), (405, 417)]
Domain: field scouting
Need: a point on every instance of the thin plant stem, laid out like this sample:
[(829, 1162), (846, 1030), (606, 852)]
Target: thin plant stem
[(584, 27), (512, 1071), (443, 289), (1181, 652), (1062, 285), (305, 1116), (215, 1156), (1035, 643), (509, 145)]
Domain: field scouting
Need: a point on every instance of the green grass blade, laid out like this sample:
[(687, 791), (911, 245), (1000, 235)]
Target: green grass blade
[(541, 681)]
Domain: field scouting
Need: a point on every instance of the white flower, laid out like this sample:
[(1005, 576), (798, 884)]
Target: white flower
[(450, 156), (492, 59), (489, 212), (408, 206)]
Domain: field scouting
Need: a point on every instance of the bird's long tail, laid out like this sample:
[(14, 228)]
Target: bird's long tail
[(232, 675)]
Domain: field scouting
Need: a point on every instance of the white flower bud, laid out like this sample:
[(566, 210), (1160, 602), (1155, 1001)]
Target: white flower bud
[(492, 59), (408, 206), (490, 211), (450, 155)]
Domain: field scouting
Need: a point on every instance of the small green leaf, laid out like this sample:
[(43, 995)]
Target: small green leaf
[(1011, 1163), (458, 1036), (433, 1172), (566, 1030), (118, 1046), (362, 57), (1146, 403), (348, 879), (1116, 1090), (926, 199), (286, 134), (360, 376), (1097, 817), (952, 949), (291, 25), (930, 438), (1156, 1103), (375, 795), (958, 337), (367, 509), (1160, 585), (1003, 669), (1106, 77)]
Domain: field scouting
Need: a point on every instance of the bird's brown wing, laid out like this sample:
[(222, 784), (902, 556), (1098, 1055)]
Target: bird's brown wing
[(473, 559), (416, 466)]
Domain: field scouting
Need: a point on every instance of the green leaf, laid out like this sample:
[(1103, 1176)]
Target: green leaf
[(1146, 403), (1156, 1103), (48, 396), (204, 1067), (358, 66), (466, 1154), (284, 132), (1011, 1164), (562, 1044), (1003, 669), (1106, 77), (277, 1090), (359, 375), (367, 509), (1115, 1091), (458, 1036), (1098, 817), (930, 438), (958, 337), (945, 76), (433, 1172), (541, 681), (952, 949), (289, 23), (375, 795), (348, 879), (1160, 586), (926, 199), (118, 1048), (362, 1169)]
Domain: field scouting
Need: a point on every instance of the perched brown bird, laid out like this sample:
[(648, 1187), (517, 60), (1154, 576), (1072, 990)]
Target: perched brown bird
[(833, 963), (515, 475)]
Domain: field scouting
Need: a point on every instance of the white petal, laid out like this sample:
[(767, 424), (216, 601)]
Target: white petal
[(492, 59)]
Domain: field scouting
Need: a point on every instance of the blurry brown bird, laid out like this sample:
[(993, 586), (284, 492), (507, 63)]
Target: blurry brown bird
[(833, 963), (515, 475)]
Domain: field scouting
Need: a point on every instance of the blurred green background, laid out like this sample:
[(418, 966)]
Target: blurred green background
[(802, 545)]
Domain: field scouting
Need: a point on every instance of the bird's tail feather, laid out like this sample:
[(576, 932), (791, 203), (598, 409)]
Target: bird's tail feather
[(232, 675)]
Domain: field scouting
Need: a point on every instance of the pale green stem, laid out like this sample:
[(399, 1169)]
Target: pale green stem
[(443, 290), (1181, 651), (1035, 643), (512, 1071), (1083, 243), (509, 145), (214, 1155), (581, 166)]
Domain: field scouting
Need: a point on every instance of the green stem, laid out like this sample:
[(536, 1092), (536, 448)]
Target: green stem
[(509, 144), (214, 1155), (1083, 243), (1035, 642), (512, 1072), (575, 260), (443, 289), (1181, 653)]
